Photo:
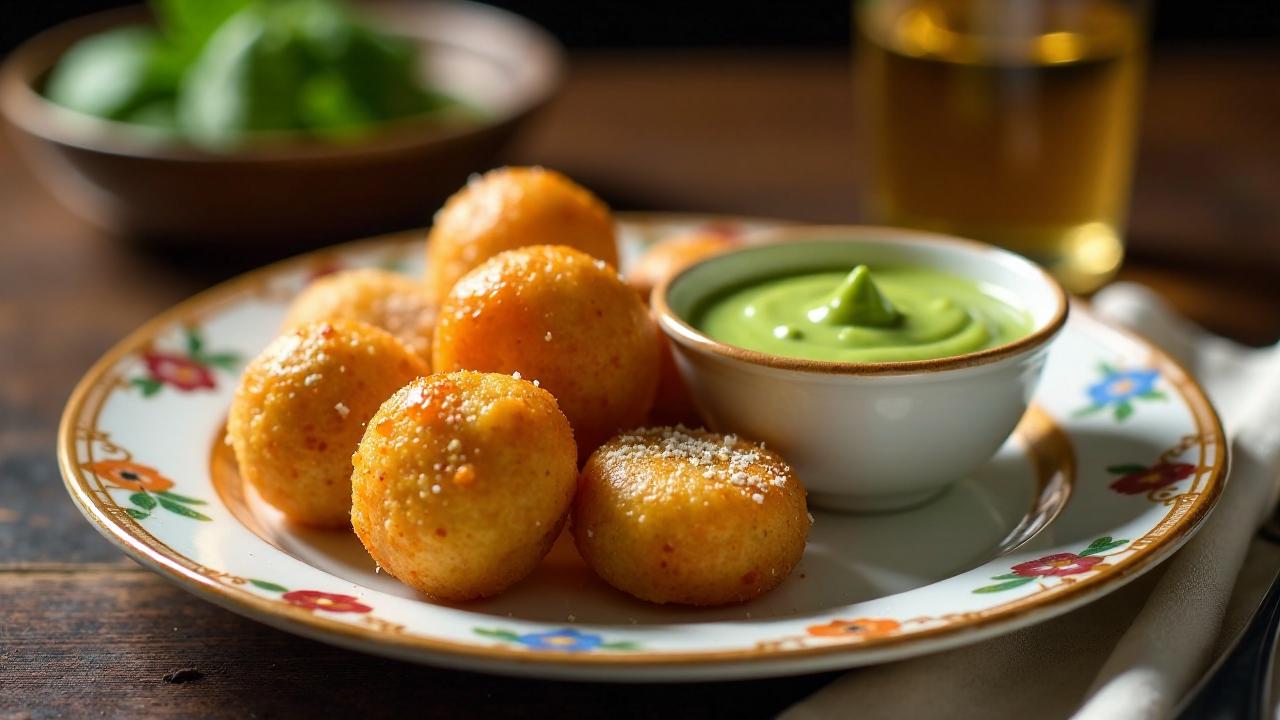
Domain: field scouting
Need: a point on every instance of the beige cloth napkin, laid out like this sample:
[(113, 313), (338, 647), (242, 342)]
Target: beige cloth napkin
[(1136, 652)]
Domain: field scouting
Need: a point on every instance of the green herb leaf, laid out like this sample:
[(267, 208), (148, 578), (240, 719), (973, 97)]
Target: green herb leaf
[(111, 74), (268, 586), (143, 500), (188, 24), (181, 498), (180, 509), (999, 587)]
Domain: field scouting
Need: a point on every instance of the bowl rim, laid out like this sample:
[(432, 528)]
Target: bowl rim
[(27, 110), (681, 332)]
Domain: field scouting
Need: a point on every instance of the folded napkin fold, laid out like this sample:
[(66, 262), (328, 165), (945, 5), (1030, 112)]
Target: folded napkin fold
[(1135, 653)]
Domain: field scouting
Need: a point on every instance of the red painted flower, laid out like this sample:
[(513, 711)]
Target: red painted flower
[(332, 602), (860, 629), (1059, 564), (1153, 478), (181, 372), (130, 475)]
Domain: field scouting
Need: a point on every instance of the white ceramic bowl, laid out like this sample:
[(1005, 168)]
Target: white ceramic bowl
[(866, 436)]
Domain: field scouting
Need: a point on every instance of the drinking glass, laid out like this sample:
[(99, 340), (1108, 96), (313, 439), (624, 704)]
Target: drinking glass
[(1009, 121)]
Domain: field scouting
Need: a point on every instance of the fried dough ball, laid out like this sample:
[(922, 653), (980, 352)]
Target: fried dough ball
[(667, 257), (510, 208), (672, 515), (463, 482), (562, 318), (301, 408), (391, 301)]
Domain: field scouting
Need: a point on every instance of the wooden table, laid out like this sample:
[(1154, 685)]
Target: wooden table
[(84, 631)]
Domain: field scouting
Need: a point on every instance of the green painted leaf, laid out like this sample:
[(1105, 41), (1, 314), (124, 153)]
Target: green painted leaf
[(1106, 368), (182, 498), (180, 509), (226, 361), (1097, 546), (623, 645), (137, 514), (1008, 585), (149, 386), (195, 343), (1125, 469), (1007, 576), (495, 633), (143, 500), (1153, 395), (268, 586), (1123, 411), (1088, 410)]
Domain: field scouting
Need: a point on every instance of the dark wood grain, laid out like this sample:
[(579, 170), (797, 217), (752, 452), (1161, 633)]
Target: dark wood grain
[(84, 632), (103, 638)]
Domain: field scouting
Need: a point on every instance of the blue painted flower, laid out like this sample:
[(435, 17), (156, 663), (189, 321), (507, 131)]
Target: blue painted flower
[(564, 640), (1118, 389), (1123, 385)]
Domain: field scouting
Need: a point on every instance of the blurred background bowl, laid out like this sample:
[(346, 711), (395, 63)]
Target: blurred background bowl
[(280, 193)]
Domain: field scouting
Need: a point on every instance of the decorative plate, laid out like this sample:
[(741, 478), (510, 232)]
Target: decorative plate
[(1119, 460)]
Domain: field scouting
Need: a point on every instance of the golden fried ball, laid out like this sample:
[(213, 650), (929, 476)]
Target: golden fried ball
[(393, 302), (667, 257), (562, 318), (463, 482), (510, 208), (672, 515), (301, 408)]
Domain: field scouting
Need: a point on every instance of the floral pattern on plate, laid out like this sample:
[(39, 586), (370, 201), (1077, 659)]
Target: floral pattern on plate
[(188, 371), (169, 411)]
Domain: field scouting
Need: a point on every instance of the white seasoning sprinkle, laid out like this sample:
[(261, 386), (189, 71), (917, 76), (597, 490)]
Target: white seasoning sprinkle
[(517, 375), (590, 532), (547, 337), (537, 383), (455, 445), (342, 409), (758, 498), (435, 489)]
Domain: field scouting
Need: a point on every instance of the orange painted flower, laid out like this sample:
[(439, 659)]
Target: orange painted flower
[(130, 475), (860, 629)]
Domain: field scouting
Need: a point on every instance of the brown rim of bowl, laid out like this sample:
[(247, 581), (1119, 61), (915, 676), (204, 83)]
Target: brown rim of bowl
[(682, 332), (25, 108)]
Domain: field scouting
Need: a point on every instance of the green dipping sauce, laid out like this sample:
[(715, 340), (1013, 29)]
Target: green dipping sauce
[(886, 315)]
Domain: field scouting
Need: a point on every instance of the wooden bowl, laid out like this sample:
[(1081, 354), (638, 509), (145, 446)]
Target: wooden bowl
[(286, 191)]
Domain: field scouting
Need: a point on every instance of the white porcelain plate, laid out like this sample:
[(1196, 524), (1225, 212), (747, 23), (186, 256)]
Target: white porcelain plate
[(1115, 466)]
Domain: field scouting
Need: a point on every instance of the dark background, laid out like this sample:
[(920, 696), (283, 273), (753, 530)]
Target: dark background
[(730, 23)]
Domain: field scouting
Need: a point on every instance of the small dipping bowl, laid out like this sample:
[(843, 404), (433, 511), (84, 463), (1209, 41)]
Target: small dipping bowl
[(872, 436)]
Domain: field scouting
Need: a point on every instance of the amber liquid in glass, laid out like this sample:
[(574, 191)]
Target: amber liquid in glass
[(1009, 121)]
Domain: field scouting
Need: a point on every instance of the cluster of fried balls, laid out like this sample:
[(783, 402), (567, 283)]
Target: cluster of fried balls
[(458, 423)]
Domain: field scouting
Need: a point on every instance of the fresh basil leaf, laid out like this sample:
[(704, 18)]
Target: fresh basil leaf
[(110, 74), (246, 79), (188, 24)]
